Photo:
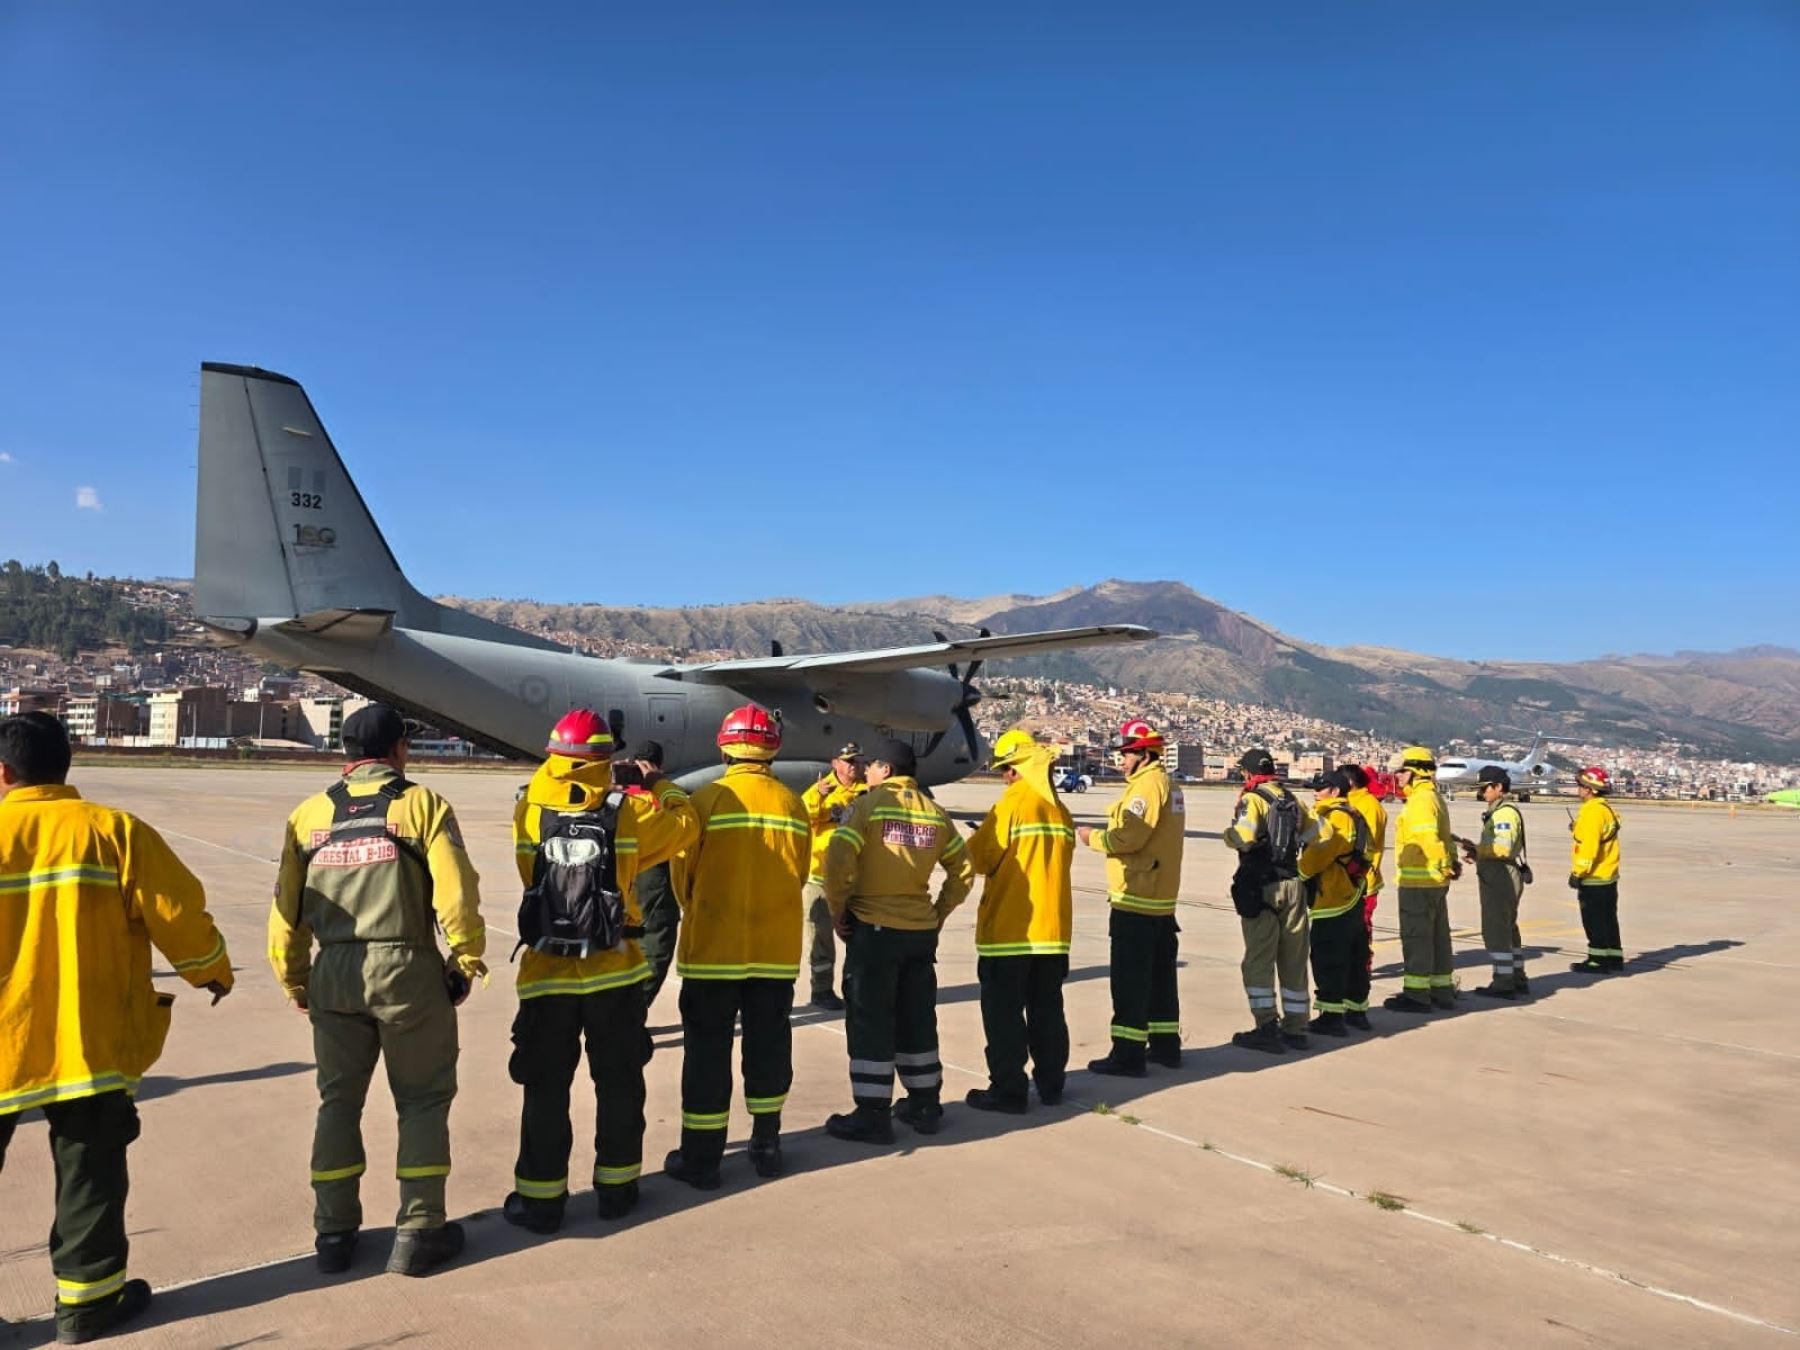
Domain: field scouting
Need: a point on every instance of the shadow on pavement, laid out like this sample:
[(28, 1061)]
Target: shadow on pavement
[(163, 1085)]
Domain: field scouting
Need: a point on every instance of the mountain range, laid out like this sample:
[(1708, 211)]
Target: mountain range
[(1743, 703)]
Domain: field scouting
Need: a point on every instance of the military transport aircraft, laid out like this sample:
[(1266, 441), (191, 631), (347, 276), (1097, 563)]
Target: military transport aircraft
[(289, 563)]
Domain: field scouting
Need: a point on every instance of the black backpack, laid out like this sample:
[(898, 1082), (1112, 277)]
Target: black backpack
[(573, 906), (1281, 837)]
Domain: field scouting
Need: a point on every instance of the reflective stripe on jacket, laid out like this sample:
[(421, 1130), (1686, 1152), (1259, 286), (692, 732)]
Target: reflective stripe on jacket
[(1142, 841), (741, 913), (84, 893), (395, 912), (651, 830), (879, 862), (1595, 852), (1025, 850), (1422, 840)]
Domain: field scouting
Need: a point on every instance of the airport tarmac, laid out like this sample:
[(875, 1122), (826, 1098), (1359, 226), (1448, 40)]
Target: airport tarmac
[(1611, 1163)]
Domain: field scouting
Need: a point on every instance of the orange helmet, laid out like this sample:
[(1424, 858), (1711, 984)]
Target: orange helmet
[(1137, 735), (582, 734), (750, 732), (1595, 779)]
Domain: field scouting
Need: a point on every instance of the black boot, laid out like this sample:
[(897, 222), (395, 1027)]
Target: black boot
[(615, 1202), (99, 1319), (1521, 984), (864, 1125), (419, 1251), (1050, 1095), (924, 1114), (1593, 965), (534, 1216), (986, 1099), (335, 1251), (701, 1176), (1498, 991), (1125, 1060), (1265, 1037), (765, 1145), (1294, 1040), (1166, 1051), (826, 1001), (1329, 1024), (1359, 1020), (1405, 1003)]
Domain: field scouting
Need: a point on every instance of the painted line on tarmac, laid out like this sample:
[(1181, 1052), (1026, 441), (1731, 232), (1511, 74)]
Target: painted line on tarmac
[(1316, 1184), (276, 862)]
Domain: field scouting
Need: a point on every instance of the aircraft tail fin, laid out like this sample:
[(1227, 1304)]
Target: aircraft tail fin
[(281, 530)]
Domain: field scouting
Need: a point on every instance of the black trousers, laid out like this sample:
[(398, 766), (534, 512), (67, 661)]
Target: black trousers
[(88, 1139), (662, 925), (1022, 1013), (1340, 961), (890, 1000), (547, 1038), (1146, 1006), (710, 1010), (1600, 918)]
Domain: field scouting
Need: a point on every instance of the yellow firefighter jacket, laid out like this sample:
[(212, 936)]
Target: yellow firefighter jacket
[(651, 829), (1142, 842), (1369, 807), (740, 909), (1334, 890), (827, 804), (1422, 839), (1502, 833), (1025, 848), (419, 818), (879, 862), (84, 892), (1595, 860)]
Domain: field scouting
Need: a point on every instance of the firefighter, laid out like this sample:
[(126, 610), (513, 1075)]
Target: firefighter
[(369, 868), (1425, 856), (1142, 843), (1269, 829), (1369, 807), (655, 884), (828, 806), (566, 996), (1594, 872), (1337, 867), (1025, 850), (85, 892), (740, 950), (878, 869), (1500, 870)]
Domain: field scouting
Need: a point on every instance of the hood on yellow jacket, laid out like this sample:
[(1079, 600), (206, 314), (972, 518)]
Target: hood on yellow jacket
[(1036, 770), (559, 776)]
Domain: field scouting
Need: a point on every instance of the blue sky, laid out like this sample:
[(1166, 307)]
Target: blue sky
[(671, 304)]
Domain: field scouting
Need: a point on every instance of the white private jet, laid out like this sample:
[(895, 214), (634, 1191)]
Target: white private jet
[(1526, 774)]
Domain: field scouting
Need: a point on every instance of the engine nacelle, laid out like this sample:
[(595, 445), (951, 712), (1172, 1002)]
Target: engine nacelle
[(906, 700)]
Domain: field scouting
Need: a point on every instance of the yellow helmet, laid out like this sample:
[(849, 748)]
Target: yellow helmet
[(1417, 759), (1013, 748)]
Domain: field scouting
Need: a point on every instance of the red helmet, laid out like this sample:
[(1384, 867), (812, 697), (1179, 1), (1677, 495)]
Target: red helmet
[(750, 732), (1595, 778), (1137, 735), (582, 734)]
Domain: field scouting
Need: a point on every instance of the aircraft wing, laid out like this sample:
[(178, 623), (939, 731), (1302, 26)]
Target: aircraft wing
[(908, 658)]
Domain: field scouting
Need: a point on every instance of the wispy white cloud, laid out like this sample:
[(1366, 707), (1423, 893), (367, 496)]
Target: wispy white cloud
[(5, 458), (87, 499)]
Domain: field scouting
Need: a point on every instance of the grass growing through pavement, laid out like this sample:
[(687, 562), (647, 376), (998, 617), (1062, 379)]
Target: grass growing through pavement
[(1293, 1173), (1386, 1200), (1101, 1109), (1468, 1227), (1131, 1120)]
